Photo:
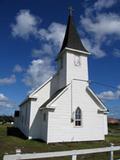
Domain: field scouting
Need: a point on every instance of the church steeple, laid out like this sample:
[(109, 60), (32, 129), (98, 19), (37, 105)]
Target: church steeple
[(72, 39), (72, 58)]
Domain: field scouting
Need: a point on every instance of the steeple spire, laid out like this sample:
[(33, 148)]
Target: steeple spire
[(72, 39), (70, 10)]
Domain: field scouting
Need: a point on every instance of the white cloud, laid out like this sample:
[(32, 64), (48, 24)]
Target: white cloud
[(54, 33), (46, 49), (107, 95), (50, 41), (3, 97), (100, 4), (116, 53), (96, 8), (118, 87), (102, 25), (26, 24), (6, 105), (99, 27), (110, 95), (8, 80), (93, 48), (38, 72), (5, 102), (17, 68), (41, 69)]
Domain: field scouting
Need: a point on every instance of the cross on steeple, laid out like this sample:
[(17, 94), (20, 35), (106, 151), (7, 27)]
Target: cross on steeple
[(70, 10)]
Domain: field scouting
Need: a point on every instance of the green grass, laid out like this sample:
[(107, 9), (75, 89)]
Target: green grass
[(9, 143)]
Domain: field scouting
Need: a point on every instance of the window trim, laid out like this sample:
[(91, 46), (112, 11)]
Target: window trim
[(78, 119)]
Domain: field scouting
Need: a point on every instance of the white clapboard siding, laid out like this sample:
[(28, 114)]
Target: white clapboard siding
[(60, 127)]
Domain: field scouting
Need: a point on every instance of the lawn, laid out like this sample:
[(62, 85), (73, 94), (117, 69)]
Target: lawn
[(10, 140)]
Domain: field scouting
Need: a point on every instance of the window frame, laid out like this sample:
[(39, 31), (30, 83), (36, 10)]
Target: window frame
[(78, 113)]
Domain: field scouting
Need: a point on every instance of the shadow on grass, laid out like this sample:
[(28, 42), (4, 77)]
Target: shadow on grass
[(12, 131)]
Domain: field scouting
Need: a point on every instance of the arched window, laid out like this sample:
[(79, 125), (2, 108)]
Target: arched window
[(78, 117)]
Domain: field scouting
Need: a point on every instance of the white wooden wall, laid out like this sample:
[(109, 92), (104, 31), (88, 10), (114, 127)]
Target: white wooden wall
[(60, 127), (76, 72), (23, 121)]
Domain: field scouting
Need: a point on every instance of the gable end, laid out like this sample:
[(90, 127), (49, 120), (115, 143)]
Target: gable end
[(96, 99)]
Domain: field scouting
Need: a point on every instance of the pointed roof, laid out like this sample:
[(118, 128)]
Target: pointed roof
[(72, 39)]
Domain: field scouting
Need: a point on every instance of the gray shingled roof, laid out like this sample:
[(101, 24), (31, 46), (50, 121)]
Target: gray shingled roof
[(72, 39)]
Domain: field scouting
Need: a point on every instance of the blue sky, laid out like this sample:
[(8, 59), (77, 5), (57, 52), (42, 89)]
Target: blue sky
[(31, 34)]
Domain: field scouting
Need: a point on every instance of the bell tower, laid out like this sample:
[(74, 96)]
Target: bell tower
[(73, 56)]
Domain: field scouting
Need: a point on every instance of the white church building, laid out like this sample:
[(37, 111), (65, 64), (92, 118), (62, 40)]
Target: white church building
[(64, 108)]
